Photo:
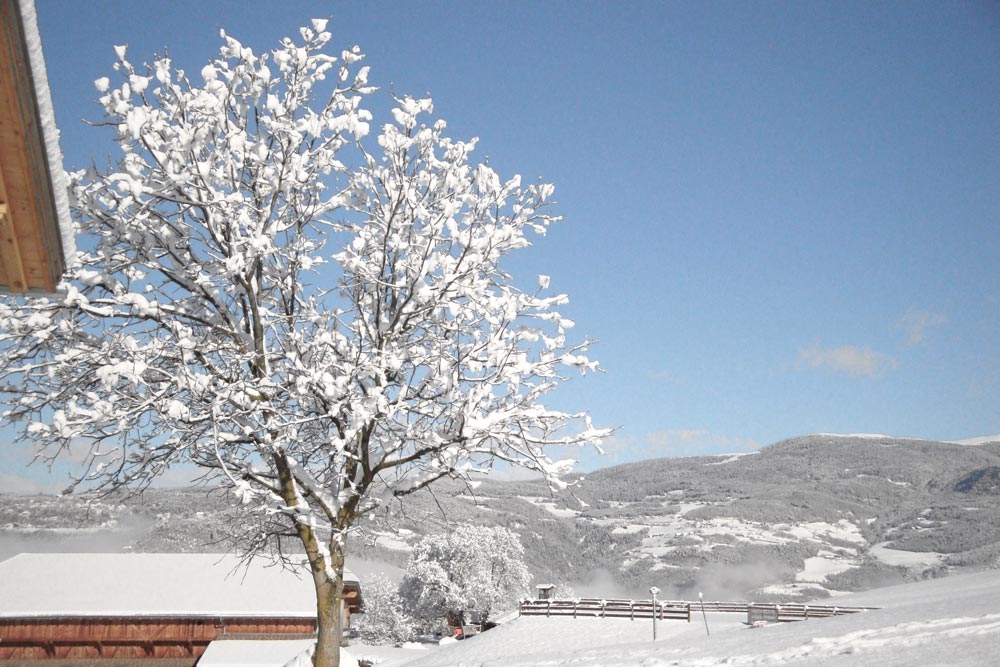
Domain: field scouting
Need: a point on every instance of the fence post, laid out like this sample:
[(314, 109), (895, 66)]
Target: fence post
[(652, 592)]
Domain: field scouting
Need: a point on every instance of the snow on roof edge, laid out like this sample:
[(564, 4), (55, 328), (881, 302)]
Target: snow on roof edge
[(160, 614), (349, 576), (50, 132)]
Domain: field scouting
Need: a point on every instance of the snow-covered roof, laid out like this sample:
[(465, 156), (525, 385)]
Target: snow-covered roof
[(256, 652), (101, 584)]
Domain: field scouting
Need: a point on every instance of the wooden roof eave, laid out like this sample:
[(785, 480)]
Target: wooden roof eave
[(32, 256)]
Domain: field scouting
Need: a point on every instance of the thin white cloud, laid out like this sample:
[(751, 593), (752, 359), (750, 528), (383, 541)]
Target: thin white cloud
[(849, 359), (677, 436), (915, 324)]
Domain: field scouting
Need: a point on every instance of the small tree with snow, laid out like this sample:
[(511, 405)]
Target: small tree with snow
[(317, 321), (472, 567), (384, 620)]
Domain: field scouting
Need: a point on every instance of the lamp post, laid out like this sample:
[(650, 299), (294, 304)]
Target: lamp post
[(653, 591)]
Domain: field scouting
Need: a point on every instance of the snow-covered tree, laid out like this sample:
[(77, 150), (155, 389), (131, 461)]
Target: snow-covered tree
[(317, 320), (471, 567), (384, 619)]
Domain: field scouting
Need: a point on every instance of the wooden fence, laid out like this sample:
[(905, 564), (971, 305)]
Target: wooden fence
[(802, 612), (679, 610), (781, 612)]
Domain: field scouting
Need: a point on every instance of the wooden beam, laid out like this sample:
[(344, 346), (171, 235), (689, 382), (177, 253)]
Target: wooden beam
[(10, 253)]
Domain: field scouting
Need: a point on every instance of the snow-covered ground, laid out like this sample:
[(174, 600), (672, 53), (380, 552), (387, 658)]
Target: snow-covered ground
[(393, 541), (823, 565), (663, 531), (729, 458), (921, 559), (951, 621), (841, 543), (366, 568), (549, 506), (257, 653)]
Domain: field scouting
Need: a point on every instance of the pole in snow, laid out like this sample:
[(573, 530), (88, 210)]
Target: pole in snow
[(705, 617), (653, 591)]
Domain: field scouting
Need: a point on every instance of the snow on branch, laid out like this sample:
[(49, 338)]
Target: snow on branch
[(314, 335)]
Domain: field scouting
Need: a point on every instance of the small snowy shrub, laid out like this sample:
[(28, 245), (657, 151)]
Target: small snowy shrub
[(384, 621)]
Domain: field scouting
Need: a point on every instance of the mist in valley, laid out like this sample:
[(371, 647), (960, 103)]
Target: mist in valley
[(116, 539)]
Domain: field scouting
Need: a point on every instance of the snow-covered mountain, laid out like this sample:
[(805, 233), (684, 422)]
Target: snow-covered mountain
[(804, 518)]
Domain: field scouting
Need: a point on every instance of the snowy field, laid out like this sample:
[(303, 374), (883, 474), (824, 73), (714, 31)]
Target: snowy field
[(952, 621), (663, 531)]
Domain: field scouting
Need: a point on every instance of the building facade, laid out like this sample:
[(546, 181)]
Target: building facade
[(164, 608)]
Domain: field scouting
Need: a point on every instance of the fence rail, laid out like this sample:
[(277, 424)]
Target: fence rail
[(679, 609)]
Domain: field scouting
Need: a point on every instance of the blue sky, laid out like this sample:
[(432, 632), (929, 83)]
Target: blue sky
[(781, 218)]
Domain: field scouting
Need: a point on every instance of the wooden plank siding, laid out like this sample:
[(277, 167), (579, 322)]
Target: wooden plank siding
[(31, 253), (94, 637), (99, 662)]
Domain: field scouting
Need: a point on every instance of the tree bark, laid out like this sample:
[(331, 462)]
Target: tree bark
[(329, 598)]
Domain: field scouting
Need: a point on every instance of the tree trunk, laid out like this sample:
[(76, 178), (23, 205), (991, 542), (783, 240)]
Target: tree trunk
[(327, 573), (329, 599)]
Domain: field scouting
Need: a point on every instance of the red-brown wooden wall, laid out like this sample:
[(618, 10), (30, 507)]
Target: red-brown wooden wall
[(94, 637)]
